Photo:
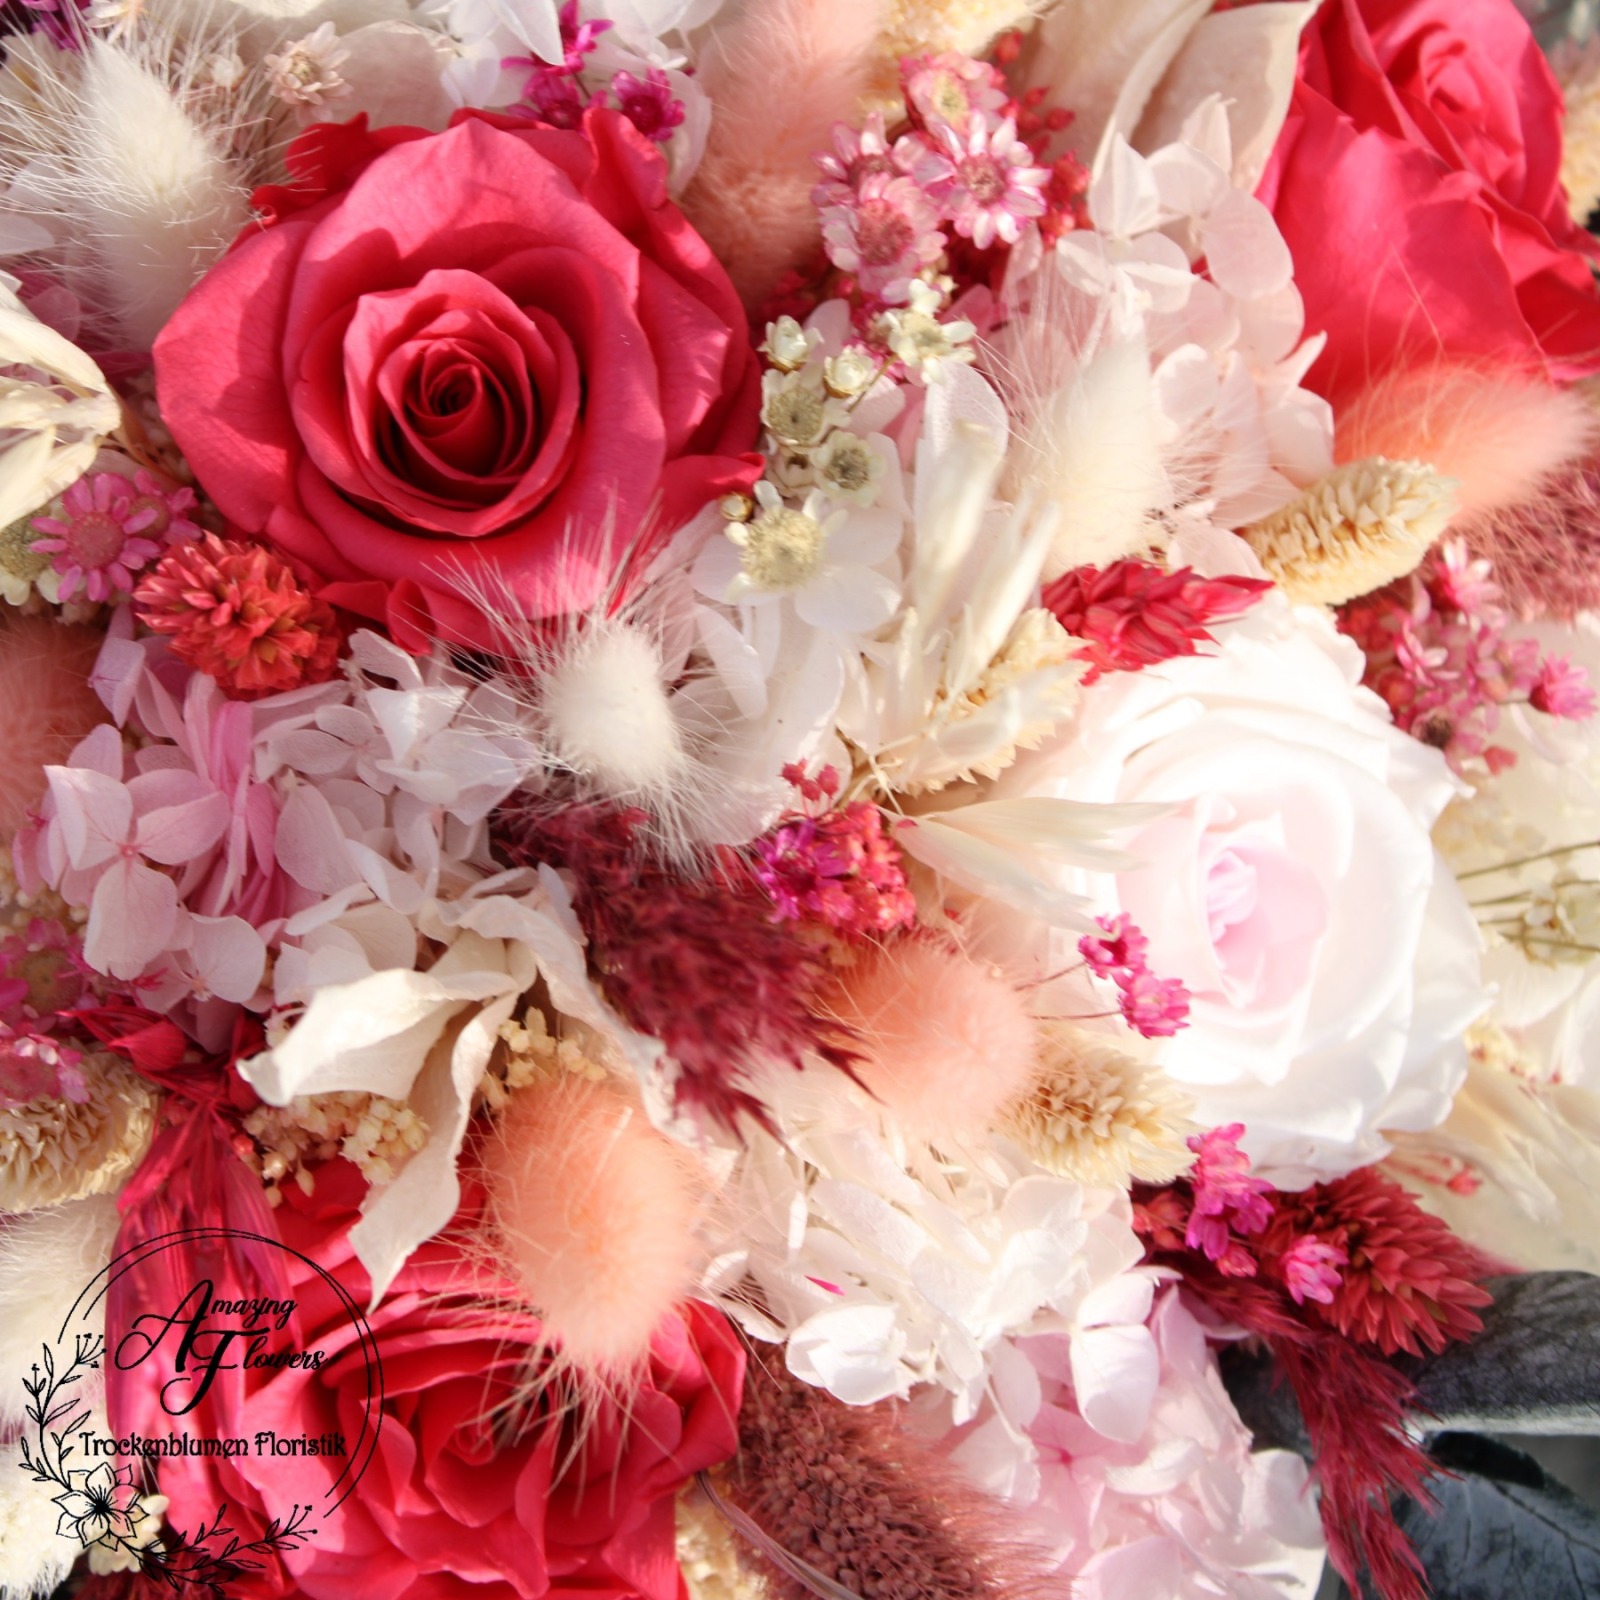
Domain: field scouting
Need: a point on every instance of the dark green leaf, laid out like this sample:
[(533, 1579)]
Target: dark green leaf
[(1535, 1367)]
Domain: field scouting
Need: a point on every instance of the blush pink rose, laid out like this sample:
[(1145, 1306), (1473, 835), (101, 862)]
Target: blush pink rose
[(479, 363), (477, 1487), (1417, 183)]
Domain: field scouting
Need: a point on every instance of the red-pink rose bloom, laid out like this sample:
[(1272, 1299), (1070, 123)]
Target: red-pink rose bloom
[(475, 363), (466, 1495), (1417, 183)]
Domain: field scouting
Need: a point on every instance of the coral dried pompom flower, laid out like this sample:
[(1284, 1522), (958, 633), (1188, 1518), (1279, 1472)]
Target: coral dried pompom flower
[(237, 612)]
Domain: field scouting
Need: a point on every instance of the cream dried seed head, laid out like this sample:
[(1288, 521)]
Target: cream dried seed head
[(1364, 525), (1098, 1116)]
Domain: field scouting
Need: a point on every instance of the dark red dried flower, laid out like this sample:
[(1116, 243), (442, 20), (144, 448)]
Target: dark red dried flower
[(1407, 1282), (1132, 614), (695, 960)]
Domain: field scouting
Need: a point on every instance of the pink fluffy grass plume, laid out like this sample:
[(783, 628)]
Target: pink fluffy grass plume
[(946, 1043), (593, 1216)]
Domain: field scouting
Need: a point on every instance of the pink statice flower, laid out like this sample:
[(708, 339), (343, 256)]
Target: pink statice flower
[(108, 529), (1119, 946), (884, 235), (1155, 1007), (1310, 1269), (1439, 653), (648, 103), (950, 90), (1562, 690), (1228, 1198), (839, 870), (985, 181), (552, 91)]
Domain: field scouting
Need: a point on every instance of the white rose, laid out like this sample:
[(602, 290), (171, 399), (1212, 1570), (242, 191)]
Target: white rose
[(1331, 959)]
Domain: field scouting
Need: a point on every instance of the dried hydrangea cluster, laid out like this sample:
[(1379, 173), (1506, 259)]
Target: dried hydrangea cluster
[(762, 715)]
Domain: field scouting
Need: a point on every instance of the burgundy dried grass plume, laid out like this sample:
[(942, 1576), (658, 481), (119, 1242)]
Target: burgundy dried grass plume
[(694, 959), (1406, 1282), (869, 1506)]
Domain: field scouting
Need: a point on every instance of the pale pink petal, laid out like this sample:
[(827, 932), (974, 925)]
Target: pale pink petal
[(93, 813), (176, 834), (131, 919), (229, 956)]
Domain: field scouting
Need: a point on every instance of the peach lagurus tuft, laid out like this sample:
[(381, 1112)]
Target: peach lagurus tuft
[(482, 361)]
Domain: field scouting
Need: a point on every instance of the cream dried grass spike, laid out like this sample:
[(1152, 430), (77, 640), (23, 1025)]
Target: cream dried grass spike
[(1364, 525), (913, 27), (1098, 1116)]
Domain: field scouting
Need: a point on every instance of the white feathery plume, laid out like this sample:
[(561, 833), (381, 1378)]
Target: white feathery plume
[(140, 166), (1089, 438), (155, 193), (47, 1258)]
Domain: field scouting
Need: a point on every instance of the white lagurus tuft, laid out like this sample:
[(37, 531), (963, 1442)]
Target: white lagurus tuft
[(1092, 448), (47, 1258), (607, 716)]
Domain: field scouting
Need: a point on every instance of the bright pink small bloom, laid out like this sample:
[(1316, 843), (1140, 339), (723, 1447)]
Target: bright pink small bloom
[(1227, 1198), (648, 103), (557, 99), (1155, 1007), (1310, 1269), (1131, 614), (1119, 947), (102, 537), (985, 181), (884, 235), (42, 973), (840, 870), (36, 1066), (1562, 690)]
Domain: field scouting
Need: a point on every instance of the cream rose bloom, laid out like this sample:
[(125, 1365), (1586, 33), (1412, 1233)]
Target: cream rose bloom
[(1292, 886)]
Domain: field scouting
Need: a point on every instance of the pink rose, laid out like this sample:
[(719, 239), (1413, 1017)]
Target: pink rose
[(474, 363), (1417, 183), (477, 1487)]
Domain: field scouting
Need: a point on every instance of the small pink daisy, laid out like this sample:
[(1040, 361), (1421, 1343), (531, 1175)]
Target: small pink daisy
[(986, 182), (950, 90), (101, 537), (884, 234), (857, 156)]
